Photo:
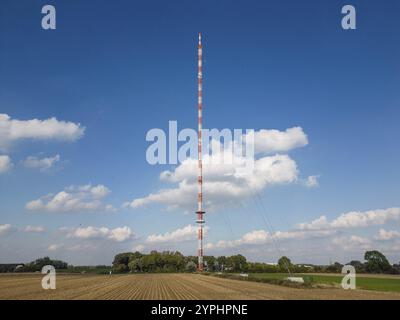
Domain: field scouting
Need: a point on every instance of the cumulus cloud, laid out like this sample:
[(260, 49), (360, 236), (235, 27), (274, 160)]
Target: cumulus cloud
[(223, 184), (5, 163), (259, 237), (319, 223), (183, 234), (384, 235), (6, 229), (227, 179), (73, 199), (88, 232), (34, 229), (321, 227), (312, 181), (42, 164), (252, 237), (272, 141), (98, 192), (12, 130), (118, 234), (352, 242), (368, 218), (354, 219)]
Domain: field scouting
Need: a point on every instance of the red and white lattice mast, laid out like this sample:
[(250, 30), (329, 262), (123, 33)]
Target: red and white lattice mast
[(200, 221)]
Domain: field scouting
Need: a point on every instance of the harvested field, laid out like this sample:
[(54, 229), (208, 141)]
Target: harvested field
[(164, 286)]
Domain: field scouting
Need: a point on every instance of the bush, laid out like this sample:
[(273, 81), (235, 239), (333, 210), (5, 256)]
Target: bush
[(191, 266), (308, 280), (120, 268)]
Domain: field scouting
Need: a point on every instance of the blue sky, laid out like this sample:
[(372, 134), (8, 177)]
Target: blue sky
[(120, 69)]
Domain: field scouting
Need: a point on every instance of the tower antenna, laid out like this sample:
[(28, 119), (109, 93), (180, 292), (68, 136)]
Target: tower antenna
[(200, 211)]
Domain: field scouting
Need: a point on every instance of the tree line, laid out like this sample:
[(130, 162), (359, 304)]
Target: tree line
[(33, 266), (60, 266), (174, 261), (375, 262)]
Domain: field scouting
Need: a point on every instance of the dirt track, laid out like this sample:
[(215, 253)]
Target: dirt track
[(164, 286)]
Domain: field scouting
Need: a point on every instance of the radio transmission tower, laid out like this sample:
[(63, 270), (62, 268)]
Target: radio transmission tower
[(200, 211)]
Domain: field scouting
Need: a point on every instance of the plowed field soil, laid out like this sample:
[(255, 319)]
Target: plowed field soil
[(165, 286)]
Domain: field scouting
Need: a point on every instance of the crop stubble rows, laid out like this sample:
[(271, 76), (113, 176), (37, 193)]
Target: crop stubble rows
[(164, 287)]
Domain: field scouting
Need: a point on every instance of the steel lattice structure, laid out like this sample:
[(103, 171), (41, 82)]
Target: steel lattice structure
[(200, 212)]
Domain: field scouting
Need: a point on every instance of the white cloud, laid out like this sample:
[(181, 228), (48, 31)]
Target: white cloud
[(319, 223), (54, 247), (12, 130), (42, 164), (5, 229), (255, 237), (226, 178), (89, 232), (222, 183), (5, 163), (259, 237), (110, 208), (72, 199), (354, 219), (99, 191), (312, 181), (321, 227), (34, 229), (139, 247), (387, 235), (183, 234), (118, 234), (271, 141), (352, 242), (82, 247)]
